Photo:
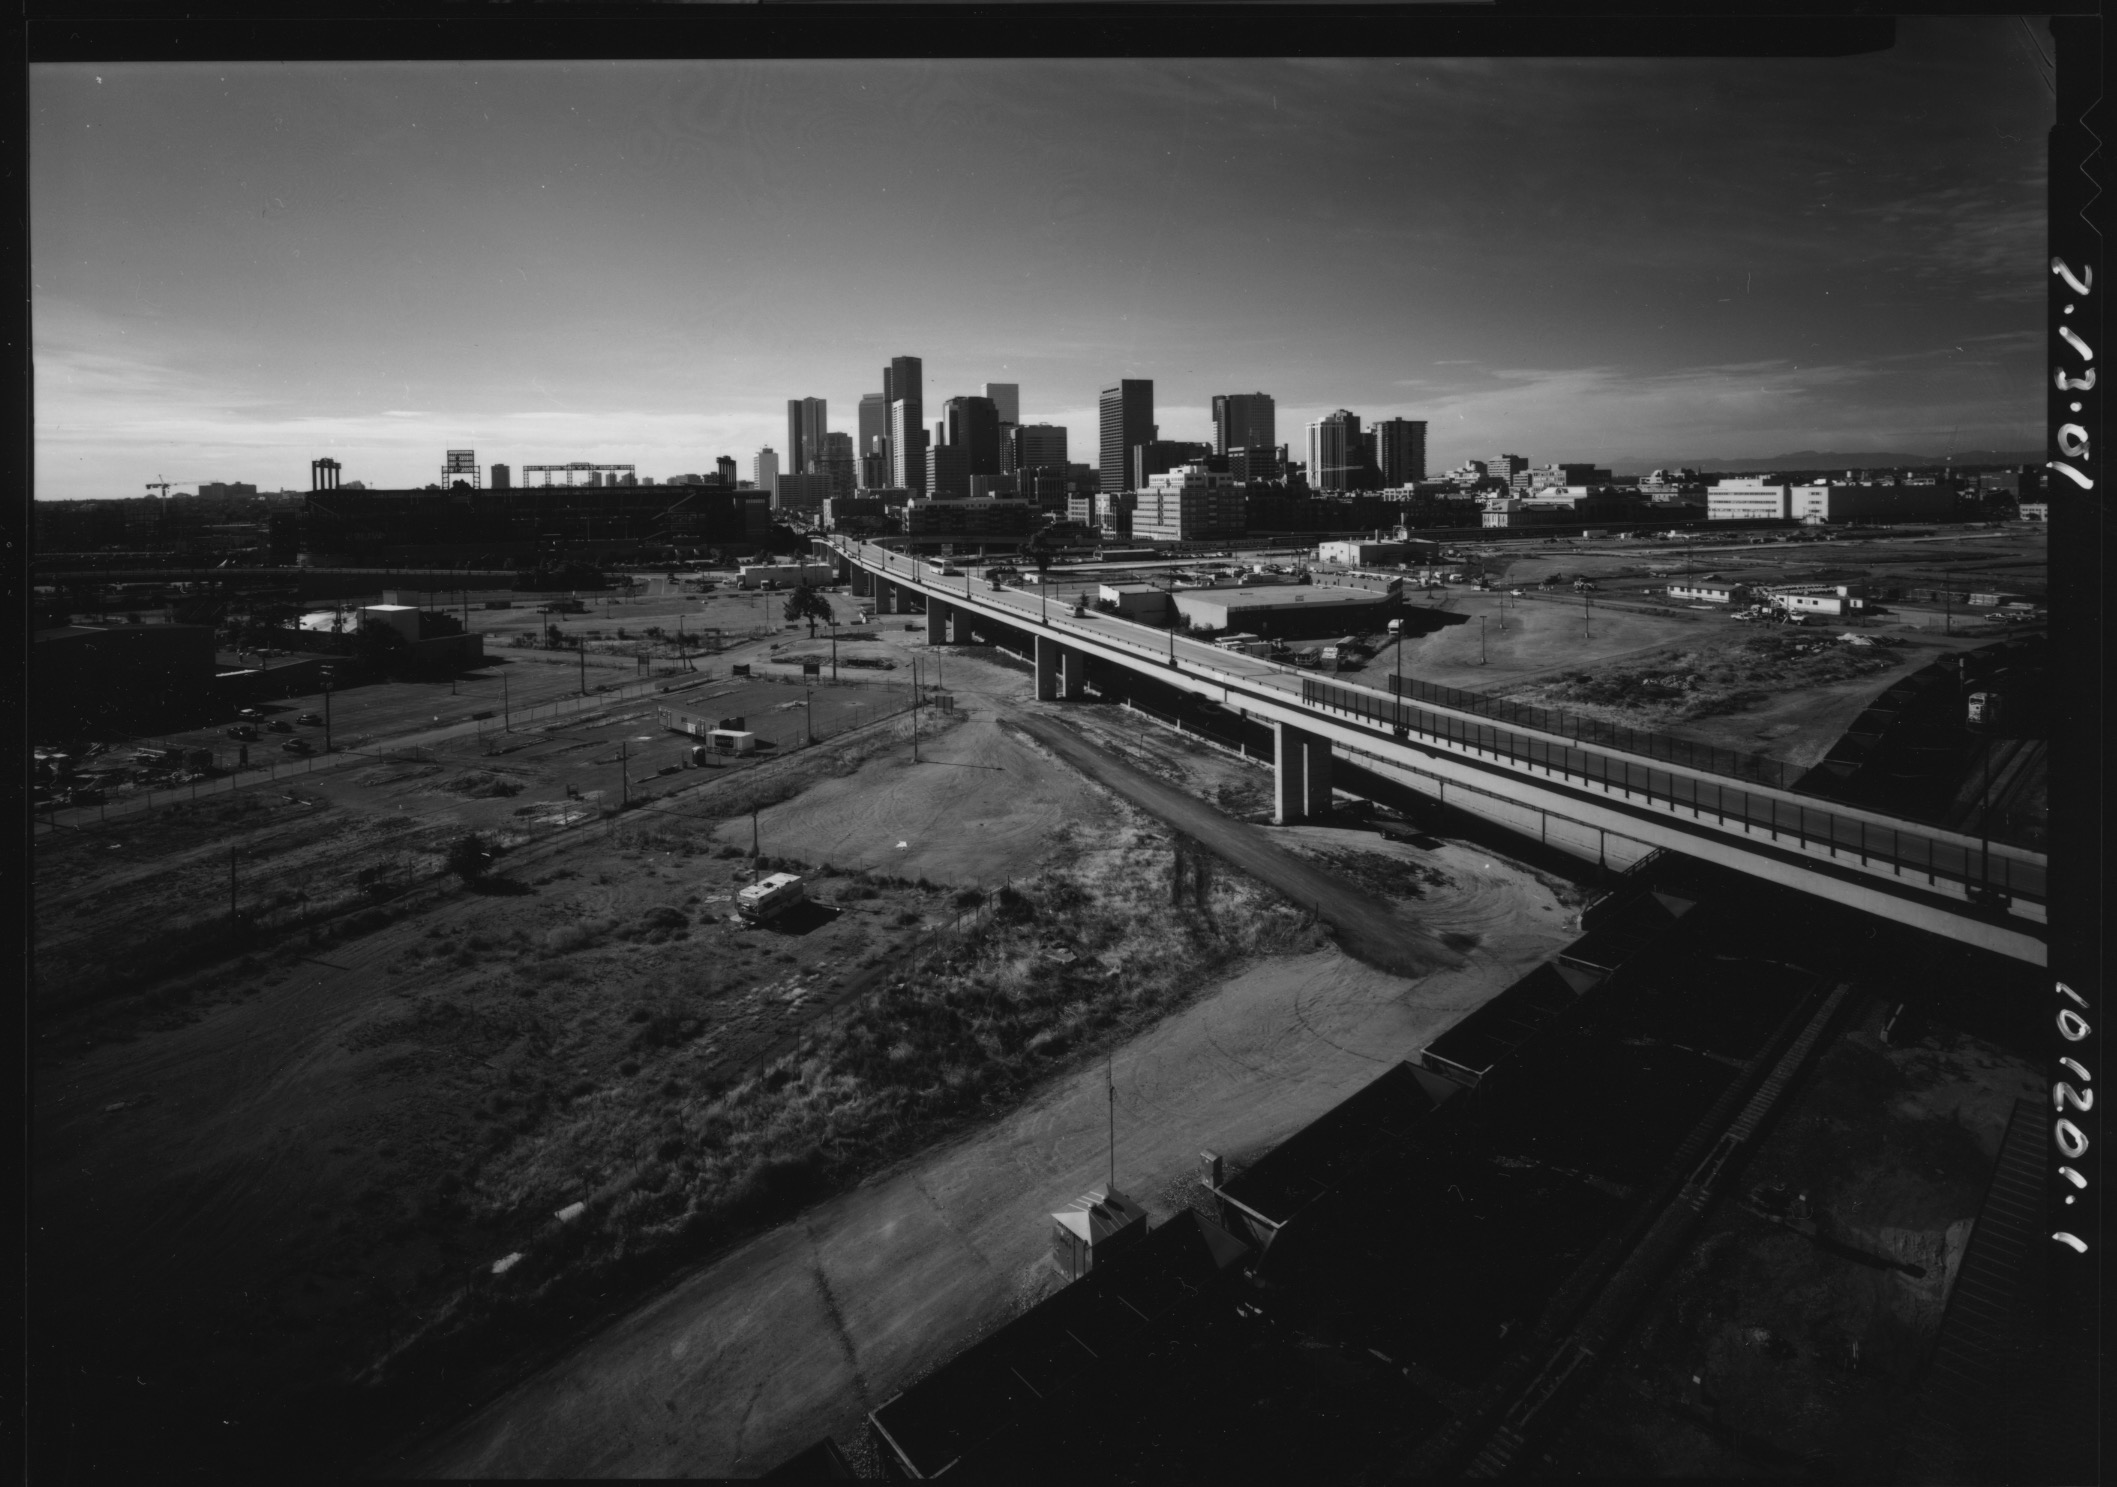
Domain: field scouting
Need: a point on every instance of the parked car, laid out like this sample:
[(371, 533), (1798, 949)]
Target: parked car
[(312, 720), (280, 725), (296, 746), (249, 714), (244, 732)]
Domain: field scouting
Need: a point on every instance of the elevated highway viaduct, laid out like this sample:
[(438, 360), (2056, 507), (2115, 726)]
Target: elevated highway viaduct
[(1590, 798)]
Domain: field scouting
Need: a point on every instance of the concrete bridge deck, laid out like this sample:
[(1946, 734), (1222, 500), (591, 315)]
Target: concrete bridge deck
[(1989, 894)]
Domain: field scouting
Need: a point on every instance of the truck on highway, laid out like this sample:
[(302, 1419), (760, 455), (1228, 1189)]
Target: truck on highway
[(769, 897)]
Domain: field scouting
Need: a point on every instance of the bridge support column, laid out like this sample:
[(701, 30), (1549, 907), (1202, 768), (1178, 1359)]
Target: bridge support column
[(1289, 788), (863, 582), (938, 618), (1315, 777), (846, 570), (958, 626), (1073, 673), (885, 596), (1047, 668)]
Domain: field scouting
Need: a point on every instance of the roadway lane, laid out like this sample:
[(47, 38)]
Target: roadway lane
[(1367, 929)]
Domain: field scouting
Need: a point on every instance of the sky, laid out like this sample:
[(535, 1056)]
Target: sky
[(239, 268)]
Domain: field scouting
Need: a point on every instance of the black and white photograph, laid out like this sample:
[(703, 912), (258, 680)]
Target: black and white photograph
[(1084, 755)]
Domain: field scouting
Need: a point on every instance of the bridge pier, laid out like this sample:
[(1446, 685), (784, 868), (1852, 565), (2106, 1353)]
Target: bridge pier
[(862, 581), (887, 595), (1301, 788), (958, 626), (1073, 673), (940, 618), (1047, 668)]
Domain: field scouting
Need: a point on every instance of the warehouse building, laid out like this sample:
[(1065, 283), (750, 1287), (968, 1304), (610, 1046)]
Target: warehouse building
[(1283, 609), (1136, 601), (89, 678)]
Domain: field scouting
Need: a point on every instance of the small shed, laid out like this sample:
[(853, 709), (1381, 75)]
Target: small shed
[(1094, 1226)]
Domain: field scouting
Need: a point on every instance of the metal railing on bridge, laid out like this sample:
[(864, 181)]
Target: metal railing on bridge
[(1733, 763), (1969, 864)]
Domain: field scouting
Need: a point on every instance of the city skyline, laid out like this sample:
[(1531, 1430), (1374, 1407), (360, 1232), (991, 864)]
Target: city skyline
[(236, 269)]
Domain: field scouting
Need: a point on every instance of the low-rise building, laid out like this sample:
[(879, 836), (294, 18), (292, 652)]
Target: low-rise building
[(1761, 498), (1283, 609), (784, 575), (1833, 501), (1136, 601), (997, 517), (1359, 554), (1710, 593)]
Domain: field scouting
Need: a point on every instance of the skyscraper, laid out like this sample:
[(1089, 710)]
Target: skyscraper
[(1007, 398), (904, 390), (874, 423), (807, 420), (502, 477), (973, 425), (764, 469), (1400, 450), (1243, 420), (1128, 421), (724, 467), (836, 461), (907, 446), (1036, 444), (1334, 453)]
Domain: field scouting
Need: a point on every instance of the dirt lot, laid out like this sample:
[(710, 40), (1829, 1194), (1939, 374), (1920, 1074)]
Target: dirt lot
[(1768, 1355), (258, 1180)]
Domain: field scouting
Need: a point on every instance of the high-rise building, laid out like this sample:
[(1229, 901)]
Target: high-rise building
[(1128, 422), (1006, 397), (1509, 469), (764, 469), (948, 472), (1035, 444), (874, 463), (1334, 452), (904, 390), (973, 424), (874, 423), (1400, 450), (724, 466), (502, 477), (807, 420), (1243, 420), (1261, 463), (907, 446), (1188, 504), (836, 462)]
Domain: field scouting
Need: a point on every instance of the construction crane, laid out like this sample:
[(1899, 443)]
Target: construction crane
[(163, 485)]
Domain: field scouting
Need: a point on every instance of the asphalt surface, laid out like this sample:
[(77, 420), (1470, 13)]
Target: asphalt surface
[(1367, 929)]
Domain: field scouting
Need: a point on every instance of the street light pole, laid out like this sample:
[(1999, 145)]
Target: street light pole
[(1481, 640)]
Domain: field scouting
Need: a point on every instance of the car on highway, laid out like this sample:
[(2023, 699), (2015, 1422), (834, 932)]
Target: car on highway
[(279, 725), (313, 720), (296, 746)]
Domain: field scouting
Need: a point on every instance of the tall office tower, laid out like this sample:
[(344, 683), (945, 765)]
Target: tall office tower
[(764, 469), (1007, 398), (836, 462), (1400, 450), (724, 466), (948, 472), (904, 382), (874, 424), (1507, 466), (1032, 445), (502, 477), (807, 420), (907, 446), (1128, 421), (1243, 420), (1334, 453), (874, 466), (973, 424)]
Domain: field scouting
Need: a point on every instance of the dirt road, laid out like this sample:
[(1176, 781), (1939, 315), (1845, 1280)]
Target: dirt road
[(1368, 930), (795, 1334)]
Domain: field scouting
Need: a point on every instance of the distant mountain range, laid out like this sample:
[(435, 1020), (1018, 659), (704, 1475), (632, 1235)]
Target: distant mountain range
[(1829, 459)]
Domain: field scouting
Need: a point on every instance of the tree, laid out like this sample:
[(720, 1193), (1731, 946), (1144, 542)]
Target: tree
[(805, 603), (1039, 551), (469, 856)]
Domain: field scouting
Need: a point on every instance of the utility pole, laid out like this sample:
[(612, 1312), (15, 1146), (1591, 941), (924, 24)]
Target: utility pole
[(753, 844), (809, 698), (1587, 624), (834, 645), (581, 649), (507, 722), (1481, 640), (624, 779)]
